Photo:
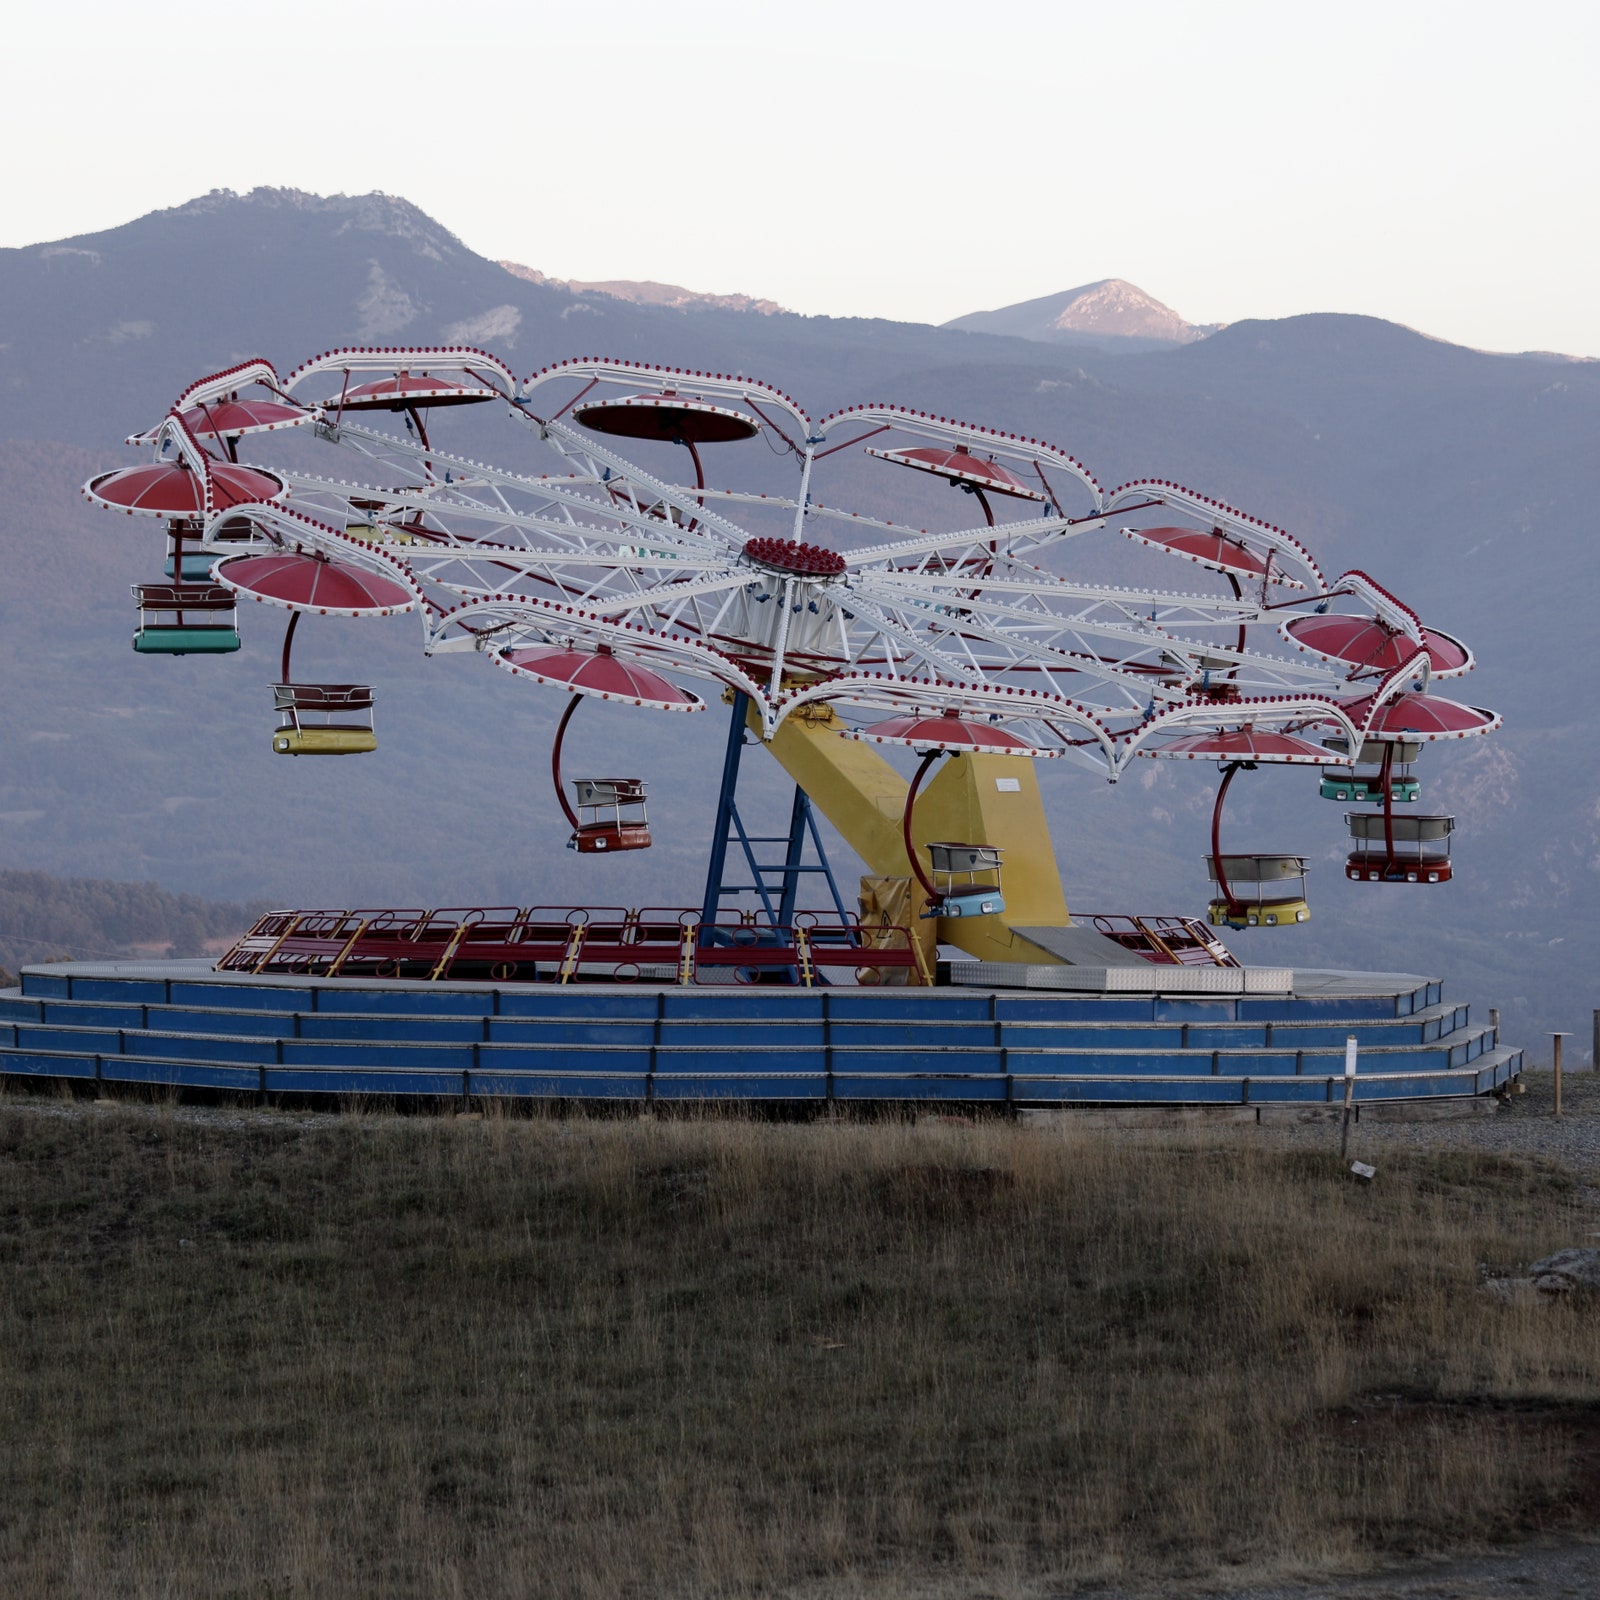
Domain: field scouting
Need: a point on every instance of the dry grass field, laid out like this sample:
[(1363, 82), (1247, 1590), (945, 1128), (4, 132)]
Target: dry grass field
[(271, 1356)]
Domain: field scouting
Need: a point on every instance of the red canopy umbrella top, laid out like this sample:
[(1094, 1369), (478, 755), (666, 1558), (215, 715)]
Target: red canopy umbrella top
[(601, 673), (407, 391), (668, 416), (947, 731), (230, 417), (1210, 547), (1366, 642), (301, 582), (1239, 744), (173, 489), (962, 466), (1422, 716)]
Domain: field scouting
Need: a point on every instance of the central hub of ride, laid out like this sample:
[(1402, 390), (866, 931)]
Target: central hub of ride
[(794, 560)]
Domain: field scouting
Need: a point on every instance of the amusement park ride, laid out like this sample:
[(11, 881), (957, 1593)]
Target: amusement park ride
[(969, 627)]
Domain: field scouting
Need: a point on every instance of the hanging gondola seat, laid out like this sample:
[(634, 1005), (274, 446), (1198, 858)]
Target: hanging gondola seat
[(611, 816), (1338, 783), (1420, 853), (959, 871), (180, 619), (323, 719), (197, 565), (609, 837), (324, 741), (1361, 782), (1268, 891)]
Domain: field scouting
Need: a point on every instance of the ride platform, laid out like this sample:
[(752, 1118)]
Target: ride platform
[(1108, 1035)]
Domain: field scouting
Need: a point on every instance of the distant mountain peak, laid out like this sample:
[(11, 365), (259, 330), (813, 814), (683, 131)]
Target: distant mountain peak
[(668, 296), (1111, 311), (385, 215)]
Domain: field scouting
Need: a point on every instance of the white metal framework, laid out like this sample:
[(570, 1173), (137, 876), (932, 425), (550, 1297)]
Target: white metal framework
[(790, 583)]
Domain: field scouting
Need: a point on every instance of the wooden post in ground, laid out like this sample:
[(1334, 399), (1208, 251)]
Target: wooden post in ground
[(1350, 1048), (1594, 1052), (1494, 1023), (1556, 1039)]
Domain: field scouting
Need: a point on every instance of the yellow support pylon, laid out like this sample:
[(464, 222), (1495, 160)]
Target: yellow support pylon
[(978, 799)]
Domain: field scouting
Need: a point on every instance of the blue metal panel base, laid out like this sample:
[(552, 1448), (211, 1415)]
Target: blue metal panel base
[(169, 1026)]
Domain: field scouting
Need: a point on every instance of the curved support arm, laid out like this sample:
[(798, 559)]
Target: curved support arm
[(644, 374), (1238, 594), (1416, 667), (949, 430), (288, 640), (555, 758), (1386, 606), (905, 824), (1234, 908), (217, 384), (390, 358), (699, 479), (1203, 507), (1388, 807)]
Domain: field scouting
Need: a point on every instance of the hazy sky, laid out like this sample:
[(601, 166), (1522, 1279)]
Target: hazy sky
[(1438, 164)]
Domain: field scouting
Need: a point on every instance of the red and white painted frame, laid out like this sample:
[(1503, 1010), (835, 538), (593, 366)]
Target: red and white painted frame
[(780, 582)]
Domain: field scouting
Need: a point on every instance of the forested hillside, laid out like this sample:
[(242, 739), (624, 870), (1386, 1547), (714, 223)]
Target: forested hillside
[(43, 918)]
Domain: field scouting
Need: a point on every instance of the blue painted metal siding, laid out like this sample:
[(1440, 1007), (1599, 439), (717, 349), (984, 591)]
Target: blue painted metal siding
[(1032, 1048), (45, 986), (179, 1074), (240, 996), (129, 991), (549, 1001), (387, 1055), (261, 1024), (412, 1002), (413, 1030), (49, 1064), (517, 1031)]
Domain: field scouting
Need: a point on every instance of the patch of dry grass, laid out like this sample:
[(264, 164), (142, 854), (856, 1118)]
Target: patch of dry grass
[(713, 1357)]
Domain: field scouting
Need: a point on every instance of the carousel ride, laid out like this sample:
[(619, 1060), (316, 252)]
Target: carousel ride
[(879, 577)]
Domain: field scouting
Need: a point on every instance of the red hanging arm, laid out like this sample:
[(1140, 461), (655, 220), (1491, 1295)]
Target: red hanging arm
[(555, 760), (905, 825), (1234, 908), (1388, 809), (288, 640)]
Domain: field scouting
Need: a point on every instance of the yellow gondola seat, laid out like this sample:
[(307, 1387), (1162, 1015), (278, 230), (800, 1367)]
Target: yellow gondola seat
[(1268, 891), (323, 719)]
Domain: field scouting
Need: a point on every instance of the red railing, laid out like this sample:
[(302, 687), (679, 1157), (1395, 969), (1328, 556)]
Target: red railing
[(1163, 941), (507, 944)]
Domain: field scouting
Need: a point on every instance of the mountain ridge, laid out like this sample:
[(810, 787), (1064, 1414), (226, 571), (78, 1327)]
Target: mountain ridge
[(647, 292)]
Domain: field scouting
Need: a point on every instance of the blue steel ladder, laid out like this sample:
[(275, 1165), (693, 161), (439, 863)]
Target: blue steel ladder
[(776, 883)]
